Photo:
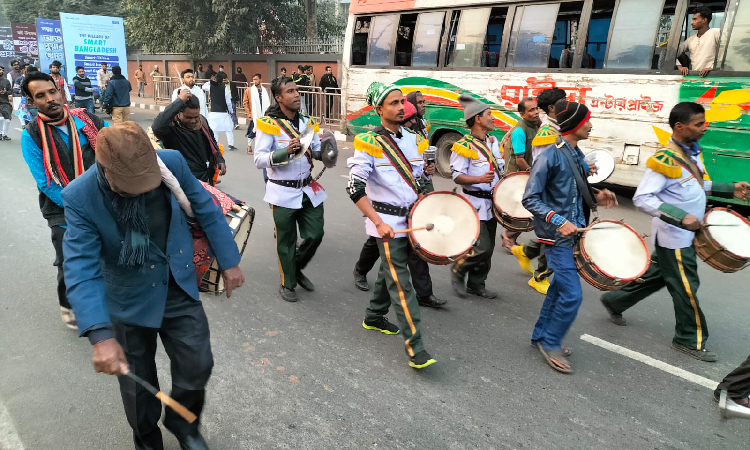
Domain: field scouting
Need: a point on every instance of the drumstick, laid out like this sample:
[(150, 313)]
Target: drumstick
[(427, 227), (167, 400), (581, 230), (706, 225)]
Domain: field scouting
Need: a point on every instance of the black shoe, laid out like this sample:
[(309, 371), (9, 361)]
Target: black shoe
[(287, 294), (421, 360), (304, 282), (459, 285), (381, 325), (431, 302), (232, 147), (192, 442), (616, 319), (360, 281), (6, 138), (700, 355), (482, 292)]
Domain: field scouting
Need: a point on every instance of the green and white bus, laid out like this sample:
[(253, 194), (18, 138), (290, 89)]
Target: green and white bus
[(610, 55)]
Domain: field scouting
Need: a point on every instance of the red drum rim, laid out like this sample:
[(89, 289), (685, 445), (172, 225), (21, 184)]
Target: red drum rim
[(411, 233), (707, 233), (643, 244)]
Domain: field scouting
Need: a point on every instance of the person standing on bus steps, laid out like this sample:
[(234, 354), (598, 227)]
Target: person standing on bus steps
[(545, 137), (560, 198), (384, 182), (673, 191), (295, 199), (475, 164), (418, 268), (517, 146), (417, 99), (703, 46)]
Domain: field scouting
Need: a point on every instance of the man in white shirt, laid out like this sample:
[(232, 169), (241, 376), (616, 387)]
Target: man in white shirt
[(701, 47), (188, 82), (102, 79)]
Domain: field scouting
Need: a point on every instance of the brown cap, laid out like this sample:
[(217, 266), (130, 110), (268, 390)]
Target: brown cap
[(128, 158)]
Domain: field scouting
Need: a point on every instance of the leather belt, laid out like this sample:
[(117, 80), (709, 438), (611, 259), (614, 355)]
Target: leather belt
[(296, 184), (479, 194), (391, 210)]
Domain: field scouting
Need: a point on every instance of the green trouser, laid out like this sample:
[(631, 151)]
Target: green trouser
[(479, 260), (536, 249), (678, 271), (291, 258), (393, 286)]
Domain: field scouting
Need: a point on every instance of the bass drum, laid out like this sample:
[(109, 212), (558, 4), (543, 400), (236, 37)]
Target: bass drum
[(506, 202), (455, 231), (725, 247)]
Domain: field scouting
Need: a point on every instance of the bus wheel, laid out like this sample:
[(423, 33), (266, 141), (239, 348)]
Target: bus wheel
[(444, 145)]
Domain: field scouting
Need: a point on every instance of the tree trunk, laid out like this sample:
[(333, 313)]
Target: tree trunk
[(312, 23)]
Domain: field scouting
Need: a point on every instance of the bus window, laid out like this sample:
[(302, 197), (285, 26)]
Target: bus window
[(596, 39), (565, 35), (658, 58), (709, 42), (531, 35), (427, 39), (738, 50), (359, 41), (467, 39), (405, 39), (381, 40), (633, 34), (493, 40)]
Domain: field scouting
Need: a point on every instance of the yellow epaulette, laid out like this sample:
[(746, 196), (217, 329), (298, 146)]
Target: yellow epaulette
[(312, 123), (462, 148), (545, 136), (428, 126), (268, 125), (365, 142), (664, 163), (422, 143)]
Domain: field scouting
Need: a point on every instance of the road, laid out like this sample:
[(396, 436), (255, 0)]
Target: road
[(307, 376)]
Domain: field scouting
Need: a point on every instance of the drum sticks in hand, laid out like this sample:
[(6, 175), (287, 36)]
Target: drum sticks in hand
[(427, 227)]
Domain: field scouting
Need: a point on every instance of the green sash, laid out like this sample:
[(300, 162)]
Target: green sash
[(292, 132), (481, 147), (397, 158)]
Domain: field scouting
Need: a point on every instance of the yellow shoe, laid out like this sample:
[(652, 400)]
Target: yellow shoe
[(523, 260), (540, 286)]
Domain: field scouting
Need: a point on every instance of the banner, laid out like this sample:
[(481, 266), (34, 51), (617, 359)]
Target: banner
[(92, 40), (7, 52), (24, 43), (50, 42)]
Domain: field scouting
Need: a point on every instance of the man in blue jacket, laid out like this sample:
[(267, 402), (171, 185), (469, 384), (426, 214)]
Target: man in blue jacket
[(117, 96), (560, 198), (130, 276)]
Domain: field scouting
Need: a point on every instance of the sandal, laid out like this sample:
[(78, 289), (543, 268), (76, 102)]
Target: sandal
[(556, 359), (565, 351), (508, 243)]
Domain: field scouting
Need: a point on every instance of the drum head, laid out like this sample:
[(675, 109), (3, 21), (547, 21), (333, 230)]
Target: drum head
[(605, 165), (734, 238), (509, 193), (456, 224), (616, 250)]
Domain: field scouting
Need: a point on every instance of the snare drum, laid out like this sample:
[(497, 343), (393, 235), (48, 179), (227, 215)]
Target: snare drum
[(506, 202), (727, 247), (611, 255), (240, 220), (456, 227)]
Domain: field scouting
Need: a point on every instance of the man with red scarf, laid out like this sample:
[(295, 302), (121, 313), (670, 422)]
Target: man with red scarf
[(56, 155)]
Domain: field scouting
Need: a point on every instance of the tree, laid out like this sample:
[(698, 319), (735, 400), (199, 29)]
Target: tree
[(23, 11), (312, 23)]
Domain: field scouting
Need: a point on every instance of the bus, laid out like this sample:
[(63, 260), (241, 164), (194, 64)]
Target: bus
[(618, 57)]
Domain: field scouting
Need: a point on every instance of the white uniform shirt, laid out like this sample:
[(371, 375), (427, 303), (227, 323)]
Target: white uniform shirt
[(462, 165), (384, 184), (197, 92), (702, 50), (287, 197)]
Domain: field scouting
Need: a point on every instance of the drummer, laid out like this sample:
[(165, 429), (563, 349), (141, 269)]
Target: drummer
[(475, 164), (295, 199), (386, 170), (557, 177), (545, 137), (673, 191)]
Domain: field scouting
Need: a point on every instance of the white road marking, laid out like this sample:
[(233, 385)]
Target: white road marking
[(661, 365), (344, 176), (19, 129), (9, 439)]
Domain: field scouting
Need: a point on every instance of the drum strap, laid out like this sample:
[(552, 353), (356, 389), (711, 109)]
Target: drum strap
[(583, 186), (481, 146), (479, 194), (396, 157)]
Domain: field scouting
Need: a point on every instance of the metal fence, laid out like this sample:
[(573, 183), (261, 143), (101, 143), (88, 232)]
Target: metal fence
[(332, 44), (163, 88)]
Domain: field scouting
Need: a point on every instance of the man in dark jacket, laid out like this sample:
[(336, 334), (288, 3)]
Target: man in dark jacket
[(329, 85), (55, 160), (181, 127), (84, 90), (117, 96), (560, 198)]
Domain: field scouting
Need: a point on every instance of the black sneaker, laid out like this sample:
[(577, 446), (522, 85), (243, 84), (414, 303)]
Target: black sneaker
[(700, 355), (304, 282), (459, 285), (360, 281), (616, 319), (381, 325), (287, 295), (421, 360), (232, 147), (6, 138), (431, 302), (481, 292)]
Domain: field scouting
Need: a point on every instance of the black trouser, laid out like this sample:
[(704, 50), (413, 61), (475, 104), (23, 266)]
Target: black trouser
[(58, 233), (737, 383), (536, 249), (418, 267), (329, 105), (185, 336)]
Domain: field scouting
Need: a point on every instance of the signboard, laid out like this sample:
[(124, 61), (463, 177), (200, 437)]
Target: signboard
[(50, 42), (24, 42), (7, 53), (92, 40)]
